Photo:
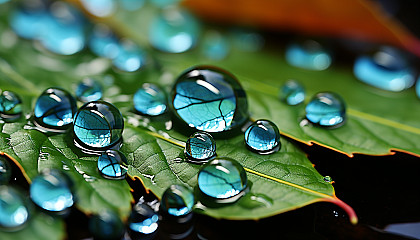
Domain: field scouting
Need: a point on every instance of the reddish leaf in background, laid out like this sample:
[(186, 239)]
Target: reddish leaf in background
[(357, 19)]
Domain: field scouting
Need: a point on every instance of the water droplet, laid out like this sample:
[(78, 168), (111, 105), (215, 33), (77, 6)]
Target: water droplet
[(263, 137), (10, 105), (103, 42), (150, 100), (215, 45), (98, 125), (14, 211), (328, 179), (106, 225), (50, 190), (99, 8), (143, 222), (292, 92), (29, 21), (200, 147), (54, 109), (209, 99), (308, 54), (174, 31), (326, 109), (223, 179), (177, 200), (132, 5), (129, 58), (387, 69), (89, 90), (5, 170), (112, 164)]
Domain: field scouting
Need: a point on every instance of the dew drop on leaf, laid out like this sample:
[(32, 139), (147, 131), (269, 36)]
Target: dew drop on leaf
[(143, 222), (263, 137), (177, 200), (292, 93), (14, 210), (308, 54), (89, 90), (103, 42), (200, 147), (326, 109), (112, 164), (129, 58), (150, 100), (10, 105)]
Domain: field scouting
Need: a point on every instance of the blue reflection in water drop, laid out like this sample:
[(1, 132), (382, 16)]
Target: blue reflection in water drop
[(103, 42), (292, 92), (106, 225), (150, 100), (143, 222), (132, 5), (222, 179), (326, 109), (89, 90), (54, 109), (98, 125), (209, 99), (10, 104), (14, 211), (177, 200), (129, 58), (174, 31), (112, 164), (100, 8), (30, 23), (200, 147), (387, 69), (263, 137), (308, 55), (5, 170), (51, 191), (215, 45)]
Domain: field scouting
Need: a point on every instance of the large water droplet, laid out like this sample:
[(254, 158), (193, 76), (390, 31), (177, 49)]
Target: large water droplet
[(106, 225), (292, 92), (174, 31), (150, 100), (200, 147), (103, 42), (387, 69), (14, 211), (326, 109), (177, 201), (308, 55), (223, 179), (215, 45), (10, 105), (100, 8), (5, 170), (89, 90), (54, 109), (98, 125), (50, 190), (209, 99), (112, 164), (263, 137), (129, 58), (143, 222)]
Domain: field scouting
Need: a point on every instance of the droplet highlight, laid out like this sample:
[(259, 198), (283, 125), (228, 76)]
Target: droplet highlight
[(10, 105), (106, 225), (98, 125), (54, 109), (223, 179), (5, 170), (150, 100), (143, 222), (177, 200), (387, 69), (292, 93), (14, 210), (51, 191), (308, 54), (209, 99), (112, 164), (263, 137), (89, 90), (129, 58), (326, 109), (200, 147)]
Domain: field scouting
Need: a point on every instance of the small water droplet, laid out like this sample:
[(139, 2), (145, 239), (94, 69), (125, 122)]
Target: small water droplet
[(263, 137), (5, 170), (98, 125), (308, 54), (103, 42), (14, 210), (387, 69), (89, 90), (177, 201), (112, 164), (326, 109), (215, 45), (200, 147), (106, 225), (10, 105), (50, 190), (223, 179), (328, 179), (100, 8), (129, 58), (292, 93), (209, 99), (150, 100), (143, 222), (54, 109), (174, 31)]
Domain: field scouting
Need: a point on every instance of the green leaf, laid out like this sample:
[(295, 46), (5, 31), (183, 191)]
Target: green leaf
[(39, 226)]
